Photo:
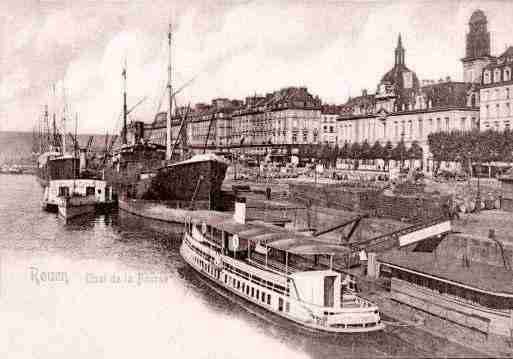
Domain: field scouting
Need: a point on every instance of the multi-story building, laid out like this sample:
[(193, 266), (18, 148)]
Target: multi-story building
[(497, 93), (406, 109), (279, 122), (328, 128)]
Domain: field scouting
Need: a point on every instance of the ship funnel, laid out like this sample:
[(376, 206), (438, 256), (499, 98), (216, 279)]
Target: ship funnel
[(82, 159), (240, 210)]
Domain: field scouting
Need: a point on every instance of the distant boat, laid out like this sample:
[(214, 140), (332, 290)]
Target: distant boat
[(66, 196)]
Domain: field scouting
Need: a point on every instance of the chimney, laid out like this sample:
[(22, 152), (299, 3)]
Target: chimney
[(240, 210)]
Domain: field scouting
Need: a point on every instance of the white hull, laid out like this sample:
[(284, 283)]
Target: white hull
[(71, 210), (355, 319)]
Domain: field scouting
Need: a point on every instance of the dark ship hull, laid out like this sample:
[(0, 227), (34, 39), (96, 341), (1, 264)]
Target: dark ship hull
[(56, 166), (187, 183)]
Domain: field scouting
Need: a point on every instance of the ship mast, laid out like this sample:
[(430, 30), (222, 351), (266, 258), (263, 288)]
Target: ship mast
[(123, 134), (64, 123), (170, 90), (46, 129)]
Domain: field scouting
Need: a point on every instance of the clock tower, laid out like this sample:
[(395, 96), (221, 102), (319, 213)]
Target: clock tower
[(477, 49)]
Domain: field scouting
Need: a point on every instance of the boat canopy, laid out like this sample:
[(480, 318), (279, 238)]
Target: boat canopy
[(268, 235), (307, 246)]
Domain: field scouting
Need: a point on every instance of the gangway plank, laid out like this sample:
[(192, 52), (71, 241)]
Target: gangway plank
[(355, 221), (405, 236)]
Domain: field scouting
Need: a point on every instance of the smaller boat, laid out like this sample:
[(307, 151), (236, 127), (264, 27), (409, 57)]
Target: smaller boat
[(74, 197), (285, 273), (70, 207)]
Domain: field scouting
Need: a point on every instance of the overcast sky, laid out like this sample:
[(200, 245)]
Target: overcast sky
[(235, 48)]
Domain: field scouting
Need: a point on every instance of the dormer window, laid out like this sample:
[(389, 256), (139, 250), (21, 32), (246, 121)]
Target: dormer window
[(497, 75), (507, 74), (486, 77)]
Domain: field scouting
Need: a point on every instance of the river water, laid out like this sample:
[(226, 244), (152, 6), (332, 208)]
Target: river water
[(114, 286)]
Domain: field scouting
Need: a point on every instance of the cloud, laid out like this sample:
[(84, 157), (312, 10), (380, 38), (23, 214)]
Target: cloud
[(14, 84), (232, 49)]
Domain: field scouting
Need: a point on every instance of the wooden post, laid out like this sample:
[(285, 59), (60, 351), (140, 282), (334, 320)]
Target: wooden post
[(266, 254)]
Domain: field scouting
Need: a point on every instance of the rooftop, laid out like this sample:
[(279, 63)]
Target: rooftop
[(477, 275)]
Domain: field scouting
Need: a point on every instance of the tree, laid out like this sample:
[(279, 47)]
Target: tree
[(376, 151), (344, 152), (414, 152), (355, 153), (334, 155), (365, 151), (387, 154)]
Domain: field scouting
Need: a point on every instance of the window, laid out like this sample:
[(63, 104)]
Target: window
[(497, 110), (486, 77), (438, 124), (63, 191), (269, 299), (487, 111), (463, 123), (263, 296), (507, 74), (420, 128), (447, 124), (507, 92), (90, 191), (496, 75)]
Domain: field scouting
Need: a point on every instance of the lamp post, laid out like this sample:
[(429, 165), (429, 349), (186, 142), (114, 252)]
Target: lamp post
[(478, 195), (402, 150)]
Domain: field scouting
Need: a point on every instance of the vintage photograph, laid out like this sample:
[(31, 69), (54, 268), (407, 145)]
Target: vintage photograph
[(256, 179)]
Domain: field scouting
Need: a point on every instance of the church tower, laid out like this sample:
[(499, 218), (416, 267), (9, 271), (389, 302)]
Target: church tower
[(477, 49), (399, 52)]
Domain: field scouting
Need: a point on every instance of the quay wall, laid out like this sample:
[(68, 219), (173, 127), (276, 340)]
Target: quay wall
[(461, 322), (372, 201)]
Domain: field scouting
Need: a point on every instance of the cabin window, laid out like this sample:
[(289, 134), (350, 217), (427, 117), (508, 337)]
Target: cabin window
[(269, 299), (257, 294), (243, 286), (99, 191), (252, 292), (90, 191), (263, 297), (238, 284), (63, 191), (287, 307), (280, 304), (247, 290)]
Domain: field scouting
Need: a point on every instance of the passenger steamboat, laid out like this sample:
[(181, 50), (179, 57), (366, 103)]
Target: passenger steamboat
[(290, 275)]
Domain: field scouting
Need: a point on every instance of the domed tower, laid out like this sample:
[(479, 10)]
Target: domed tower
[(477, 49), (397, 86)]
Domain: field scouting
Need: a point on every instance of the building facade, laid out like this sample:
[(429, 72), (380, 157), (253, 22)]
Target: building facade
[(406, 109), (496, 93), (278, 122)]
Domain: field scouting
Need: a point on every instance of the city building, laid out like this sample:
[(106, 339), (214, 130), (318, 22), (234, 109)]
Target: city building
[(328, 126), (277, 123), (406, 109), (496, 93)]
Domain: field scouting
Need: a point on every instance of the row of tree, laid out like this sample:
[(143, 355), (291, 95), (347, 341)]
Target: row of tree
[(364, 151), (467, 147)]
